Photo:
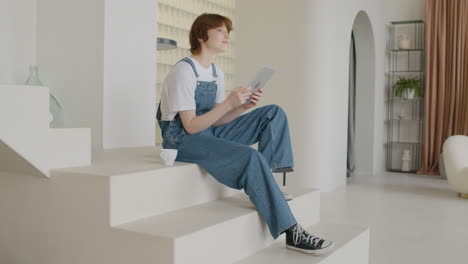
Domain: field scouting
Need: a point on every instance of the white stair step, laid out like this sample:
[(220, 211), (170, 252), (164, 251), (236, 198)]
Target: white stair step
[(68, 147), (221, 231), (48, 149), (351, 246), (11, 161), (142, 186)]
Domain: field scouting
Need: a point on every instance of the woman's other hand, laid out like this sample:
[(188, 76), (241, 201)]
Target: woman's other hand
[(254, 99), (238, 96)]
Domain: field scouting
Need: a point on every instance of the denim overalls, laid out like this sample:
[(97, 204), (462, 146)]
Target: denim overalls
[(226, 154)]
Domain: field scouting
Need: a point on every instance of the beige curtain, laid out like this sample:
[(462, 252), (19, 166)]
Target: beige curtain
[(446, 93)]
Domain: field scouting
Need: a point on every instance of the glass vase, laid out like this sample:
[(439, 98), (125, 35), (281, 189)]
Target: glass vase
[(55, 109)]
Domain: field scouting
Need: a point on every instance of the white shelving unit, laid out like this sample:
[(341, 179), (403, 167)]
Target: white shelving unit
[(405, 116)]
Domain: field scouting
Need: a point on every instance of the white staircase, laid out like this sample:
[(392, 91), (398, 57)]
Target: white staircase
[(221, 231), (127, 207)]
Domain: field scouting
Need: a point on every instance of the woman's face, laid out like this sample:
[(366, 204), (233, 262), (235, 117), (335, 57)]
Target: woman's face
[(218, 40)]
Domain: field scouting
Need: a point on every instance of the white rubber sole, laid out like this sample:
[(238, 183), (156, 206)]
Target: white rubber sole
[(313, 252)]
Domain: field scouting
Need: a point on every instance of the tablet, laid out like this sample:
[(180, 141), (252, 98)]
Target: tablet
[(261, 78)]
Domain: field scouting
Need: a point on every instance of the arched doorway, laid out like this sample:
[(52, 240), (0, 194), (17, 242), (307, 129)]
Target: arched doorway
[(360, 159)]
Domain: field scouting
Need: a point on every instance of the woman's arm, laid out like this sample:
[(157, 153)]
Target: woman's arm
[(195, 124), (236, 112), (229, 116)]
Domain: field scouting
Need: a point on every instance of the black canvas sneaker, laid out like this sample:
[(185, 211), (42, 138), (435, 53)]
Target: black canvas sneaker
[(299, 239)]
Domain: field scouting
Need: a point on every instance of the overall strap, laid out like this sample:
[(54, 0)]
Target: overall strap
[(189, 61), (214, 70)]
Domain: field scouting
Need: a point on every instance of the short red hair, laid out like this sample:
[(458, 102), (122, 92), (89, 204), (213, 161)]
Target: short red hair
[(200, 28)]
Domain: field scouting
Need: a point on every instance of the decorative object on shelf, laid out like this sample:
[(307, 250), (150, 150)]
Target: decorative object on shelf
[(406, 160), (402, 114), (407, 88), (165, 44), (55, 110), (404, 41)]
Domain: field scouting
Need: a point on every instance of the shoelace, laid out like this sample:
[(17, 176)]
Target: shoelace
[(299, 233)]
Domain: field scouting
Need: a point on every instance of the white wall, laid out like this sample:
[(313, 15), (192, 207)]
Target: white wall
[(276, 38), (98, 57), (70, 43), (308, 43), (129, 73), (17, 40), (397, 10)]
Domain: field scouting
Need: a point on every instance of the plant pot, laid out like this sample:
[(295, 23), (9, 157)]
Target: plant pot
[(408, 94)]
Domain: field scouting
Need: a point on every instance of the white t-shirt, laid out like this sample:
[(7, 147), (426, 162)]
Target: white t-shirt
[(178, 91)]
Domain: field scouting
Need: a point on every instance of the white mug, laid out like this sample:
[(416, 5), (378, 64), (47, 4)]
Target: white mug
[(168, 155)]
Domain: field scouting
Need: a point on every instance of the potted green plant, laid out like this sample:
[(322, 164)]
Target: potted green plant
[(407, 88)]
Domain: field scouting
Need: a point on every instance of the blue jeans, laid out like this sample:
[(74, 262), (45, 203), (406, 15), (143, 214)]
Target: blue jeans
[(226, 154)]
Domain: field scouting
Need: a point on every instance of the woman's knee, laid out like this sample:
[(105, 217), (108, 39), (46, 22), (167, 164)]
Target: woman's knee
[(276, 109), (276, 112)]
